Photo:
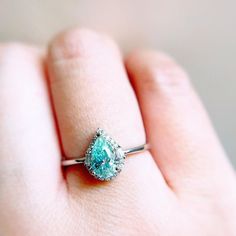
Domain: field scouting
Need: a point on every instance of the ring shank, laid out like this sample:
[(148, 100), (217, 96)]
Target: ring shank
[(137, 149), (128, 151)]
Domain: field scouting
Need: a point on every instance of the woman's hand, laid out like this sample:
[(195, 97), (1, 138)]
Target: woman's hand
[(50, 106)]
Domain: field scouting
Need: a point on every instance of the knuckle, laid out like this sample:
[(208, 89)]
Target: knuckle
[(78, 42), (168, 75), (159, 71), (15, 51)]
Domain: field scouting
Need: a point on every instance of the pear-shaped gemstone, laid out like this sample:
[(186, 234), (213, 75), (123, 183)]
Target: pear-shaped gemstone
[(104, 158)]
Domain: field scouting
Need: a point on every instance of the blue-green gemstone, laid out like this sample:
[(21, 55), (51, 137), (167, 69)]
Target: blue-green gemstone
[(104, 159)]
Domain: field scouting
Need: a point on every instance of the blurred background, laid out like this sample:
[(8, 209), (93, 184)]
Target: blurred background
[(201, 35)]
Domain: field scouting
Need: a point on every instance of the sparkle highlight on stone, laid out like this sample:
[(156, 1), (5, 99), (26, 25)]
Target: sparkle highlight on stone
[(104, 157)]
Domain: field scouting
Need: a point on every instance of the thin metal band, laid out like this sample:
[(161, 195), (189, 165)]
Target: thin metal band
[(137, 149), (128, 151)]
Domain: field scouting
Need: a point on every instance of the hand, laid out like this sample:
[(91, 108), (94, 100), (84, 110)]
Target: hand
[(50, 106)]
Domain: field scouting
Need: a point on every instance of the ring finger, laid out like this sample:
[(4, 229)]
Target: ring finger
[(90, 89)]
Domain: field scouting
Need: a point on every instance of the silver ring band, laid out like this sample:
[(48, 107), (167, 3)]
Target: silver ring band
[(104, 158), (128, 151)]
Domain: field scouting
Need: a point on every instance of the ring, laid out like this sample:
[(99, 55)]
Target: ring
[(104, 158)]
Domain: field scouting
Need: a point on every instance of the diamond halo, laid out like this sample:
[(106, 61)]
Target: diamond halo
[(104, 157)]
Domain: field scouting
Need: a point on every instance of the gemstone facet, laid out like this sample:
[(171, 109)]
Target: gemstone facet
[(104, 157)]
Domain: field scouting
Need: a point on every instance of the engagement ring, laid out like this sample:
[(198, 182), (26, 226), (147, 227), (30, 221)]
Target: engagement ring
[(104, 157)]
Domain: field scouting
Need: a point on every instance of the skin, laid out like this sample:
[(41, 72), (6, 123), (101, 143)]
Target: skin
[(52, 102)]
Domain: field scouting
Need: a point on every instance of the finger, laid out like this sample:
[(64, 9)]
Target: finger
[(90, 90), (29, 153), (184, 143)]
